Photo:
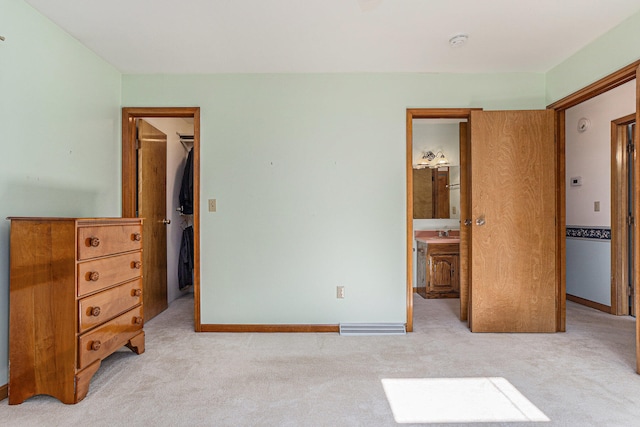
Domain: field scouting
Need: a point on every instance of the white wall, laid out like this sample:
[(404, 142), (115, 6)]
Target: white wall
[(588, 155), (176, 159), (59, 127)]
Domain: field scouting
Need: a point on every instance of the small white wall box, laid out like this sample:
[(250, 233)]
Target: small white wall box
[(576, 181)]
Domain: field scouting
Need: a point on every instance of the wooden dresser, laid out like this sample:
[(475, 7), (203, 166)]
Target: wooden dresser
[(75, 298)]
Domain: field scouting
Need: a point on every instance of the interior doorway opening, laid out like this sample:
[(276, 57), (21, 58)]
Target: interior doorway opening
[(494, 220), (629, 73), (130, 183), (434, 116)]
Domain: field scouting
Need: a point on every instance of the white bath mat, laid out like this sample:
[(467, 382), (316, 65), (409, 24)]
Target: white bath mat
[(458, 400)]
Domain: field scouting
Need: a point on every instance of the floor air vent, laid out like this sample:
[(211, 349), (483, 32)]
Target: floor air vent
[(351, 329)]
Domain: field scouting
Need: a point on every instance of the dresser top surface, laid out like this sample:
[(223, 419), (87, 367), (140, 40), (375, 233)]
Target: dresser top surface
[(80, 221)]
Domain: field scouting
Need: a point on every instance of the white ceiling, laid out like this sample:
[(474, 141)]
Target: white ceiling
[(249, 36)]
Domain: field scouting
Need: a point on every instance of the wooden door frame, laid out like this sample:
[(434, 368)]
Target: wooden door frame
[(619, 226), (129, 176), (423, 113), (620, 77)]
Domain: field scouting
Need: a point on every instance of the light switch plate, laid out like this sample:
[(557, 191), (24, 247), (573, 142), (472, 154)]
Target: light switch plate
[(212, 205)]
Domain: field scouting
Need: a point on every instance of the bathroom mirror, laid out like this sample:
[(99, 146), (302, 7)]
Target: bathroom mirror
[(436, 192)]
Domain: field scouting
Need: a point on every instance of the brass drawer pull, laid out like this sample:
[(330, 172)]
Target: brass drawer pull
[(95, 345), (137, 292), (136, 265), (94, 276), (136, 237), (94, 242), (137, 320), (95, 311)]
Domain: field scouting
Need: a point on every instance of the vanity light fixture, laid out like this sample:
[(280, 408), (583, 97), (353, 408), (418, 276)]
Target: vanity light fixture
[(440, 160), (432, 160), (426, 161)]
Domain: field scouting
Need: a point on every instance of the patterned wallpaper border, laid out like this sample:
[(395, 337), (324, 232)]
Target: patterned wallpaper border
[(588, 233)]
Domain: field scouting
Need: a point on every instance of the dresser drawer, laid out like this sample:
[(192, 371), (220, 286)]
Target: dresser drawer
[(105, 339), (100, 241), (101, 307), (105, 272)]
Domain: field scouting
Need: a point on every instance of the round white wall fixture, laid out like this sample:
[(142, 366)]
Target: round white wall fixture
[(458, 40), (583, 124)]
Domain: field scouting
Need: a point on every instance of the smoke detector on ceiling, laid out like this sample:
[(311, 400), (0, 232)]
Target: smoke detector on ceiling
[(458, 40)]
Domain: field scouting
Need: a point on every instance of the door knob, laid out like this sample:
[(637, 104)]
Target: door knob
[(166, 221), (467, 222), (480, 221)]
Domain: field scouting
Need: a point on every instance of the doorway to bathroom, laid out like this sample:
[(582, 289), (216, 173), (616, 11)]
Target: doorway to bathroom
[(508, 231)]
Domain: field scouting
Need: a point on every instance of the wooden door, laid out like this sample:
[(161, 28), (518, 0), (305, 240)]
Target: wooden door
[(513, 210), (631, 168), (152, 206), (465, 219)]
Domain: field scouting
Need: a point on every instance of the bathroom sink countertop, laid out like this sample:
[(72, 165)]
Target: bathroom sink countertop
[(431, 236)]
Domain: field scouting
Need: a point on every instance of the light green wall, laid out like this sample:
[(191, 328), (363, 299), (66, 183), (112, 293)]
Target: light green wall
[(309, 176), (607, 54), (59, 127)]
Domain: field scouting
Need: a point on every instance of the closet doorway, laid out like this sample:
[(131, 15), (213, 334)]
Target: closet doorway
[(131, 199)]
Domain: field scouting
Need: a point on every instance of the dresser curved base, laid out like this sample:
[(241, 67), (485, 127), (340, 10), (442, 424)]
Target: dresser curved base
[(136, 344), (83, 378)]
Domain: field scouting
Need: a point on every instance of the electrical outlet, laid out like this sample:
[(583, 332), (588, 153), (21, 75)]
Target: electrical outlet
[(596, 206), (212, 205), (340, 292)]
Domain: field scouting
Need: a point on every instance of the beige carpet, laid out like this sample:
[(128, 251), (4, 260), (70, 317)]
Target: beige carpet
[(584, 377)]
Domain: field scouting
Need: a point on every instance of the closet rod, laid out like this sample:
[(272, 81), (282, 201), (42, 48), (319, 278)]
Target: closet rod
[(185, 139), (185, 136)]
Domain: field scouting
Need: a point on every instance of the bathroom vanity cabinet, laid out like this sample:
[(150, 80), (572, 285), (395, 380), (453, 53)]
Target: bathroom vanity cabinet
[(438, 270)]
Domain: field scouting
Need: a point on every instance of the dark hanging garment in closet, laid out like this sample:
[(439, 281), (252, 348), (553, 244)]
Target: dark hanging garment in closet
[(186, 189), (185, 260)]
